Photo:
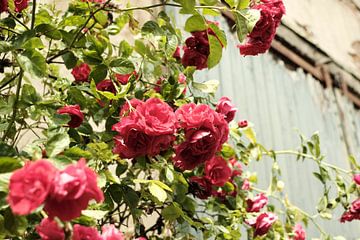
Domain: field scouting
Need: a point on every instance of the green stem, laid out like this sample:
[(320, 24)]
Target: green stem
[(8, 29), (33, 15), (9, 81), (17, 20), (13, 118), (168, 4), (291, 152)]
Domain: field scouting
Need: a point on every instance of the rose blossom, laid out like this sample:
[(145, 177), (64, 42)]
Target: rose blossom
[(226, 108), (109, 232), (74, 111), (246, 184), (130, 106), (123, 79), (352, 213), (205, 132), (299, 232), (200, 187), (262, 223), (3, 6), (357, 179), (176, 54), (30, 186), (256, 204), (243, 124), (147, 130), (194, 58), (106, 85), (217, 171), (85, 233), (72, 190), (81, 72), (49, 230)]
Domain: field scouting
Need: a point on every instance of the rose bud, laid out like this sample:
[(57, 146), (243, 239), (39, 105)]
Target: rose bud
[(299, 232), (49, 230), (225, 107), (256, 204), (243, 124), (81, 72), (262, 223)]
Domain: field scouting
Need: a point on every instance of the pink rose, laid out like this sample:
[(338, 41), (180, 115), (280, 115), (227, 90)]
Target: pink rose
[(262, 223), (106, 85), (30, 186), (141, 238), (256, 204), (217, 171), (109, 232), (299, 232), (85, 233), (72, 190), (49, 230), (226, 108), (200, 187), (236, 167), (246, 185), (81, 72), (357, 179), (74, 111)]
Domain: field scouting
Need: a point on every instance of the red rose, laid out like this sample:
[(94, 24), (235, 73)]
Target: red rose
[(357, 179), (194, 58), (30, 186), (81, 72), (106, 85), (49, 230), (72, 190), (109, 232), (176, 54), (74, 111), (256, 204), (353, 213), (133, 143), (259, 40), (85, 233), (236, 167), (124, 78), (4, 6), (130, 106), (262, 223), (225, 107), (217, 171), (200, 187), (299, 233)]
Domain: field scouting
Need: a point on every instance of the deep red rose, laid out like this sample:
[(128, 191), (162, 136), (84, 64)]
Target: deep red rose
[(20, 5), (200, 187), (176, 54), (243, 124), (262, 223), (256, 204), (236, 167), (194, 58), (72, 190), (81, 72), (299, 232), (132, 144), (49, 230), (357, 179), (353, 213), (130, 106), (109, 232), (106, 85), (217, 171), (123, 79), (74, 111), (30, 186), (4, 6), (225, 107), (85, 233)]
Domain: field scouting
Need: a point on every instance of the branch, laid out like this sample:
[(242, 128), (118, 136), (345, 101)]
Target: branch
[(10, 30), (166, 4), (33, 15), (9, 81)]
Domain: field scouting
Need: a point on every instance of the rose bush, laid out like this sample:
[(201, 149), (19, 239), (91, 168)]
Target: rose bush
[(123, 132)]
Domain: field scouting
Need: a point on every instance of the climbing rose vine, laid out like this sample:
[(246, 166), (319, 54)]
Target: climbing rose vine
[(111, 137)]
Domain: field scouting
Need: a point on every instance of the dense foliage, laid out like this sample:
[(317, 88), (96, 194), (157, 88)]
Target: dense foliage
[(122, 133)]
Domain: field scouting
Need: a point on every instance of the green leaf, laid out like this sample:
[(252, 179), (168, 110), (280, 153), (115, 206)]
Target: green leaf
[(14, 225), (76, 152), (188, 6), (5, 46), (151, 27), (249, 133), (131, 198), (9, 164), (99, 72), (171, 213), (231, 3), (6, 150), (157, 192), (116, 192), (215, 51), (57, 144), (92, 57), (101, 17), (34, 42), (245, 22), (121, 167), (33, 62), (49, 31), (125, 49), (70, 60), (195, 23), (96, 214), (206, 87), (122, 66), (29, 94), (220, 34), (243, 4)]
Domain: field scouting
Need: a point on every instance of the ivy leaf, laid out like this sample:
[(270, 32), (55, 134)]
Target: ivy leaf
[(57, 143), (157, 192), (9, 164), (33, 62), (207, 87), (195, 23), (215, 51)]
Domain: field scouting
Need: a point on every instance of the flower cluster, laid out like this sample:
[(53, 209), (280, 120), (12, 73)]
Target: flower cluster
[(353, 213), (64, 193), (19, 5), (259, 40), (197, 49)]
